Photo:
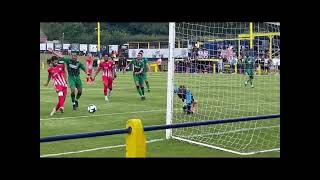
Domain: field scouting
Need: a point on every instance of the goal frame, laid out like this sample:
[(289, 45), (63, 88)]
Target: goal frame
[(170, 93)]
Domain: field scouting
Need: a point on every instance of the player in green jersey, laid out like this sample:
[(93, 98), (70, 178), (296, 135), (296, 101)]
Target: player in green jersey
[(138, 74), (73, 66), (249, 69), (146, 69)]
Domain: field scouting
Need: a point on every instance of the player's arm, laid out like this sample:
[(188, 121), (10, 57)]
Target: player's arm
[(81, 66), (125, 69), (97, 72), (55, 53), (66, 75)]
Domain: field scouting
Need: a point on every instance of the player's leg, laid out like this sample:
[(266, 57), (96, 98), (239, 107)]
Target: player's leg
[(72, 85), (184, 105), (91, 78), (60, 101), (189, 108), (105, 88), (247, 75), (110, 82), (141, 83), (251, 78), (79, 93), (65, 92), (146, 81), (194, 106), (88, 79), (136, 81)]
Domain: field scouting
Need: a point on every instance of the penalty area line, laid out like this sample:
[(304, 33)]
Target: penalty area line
[(96, 115), (94, 149)]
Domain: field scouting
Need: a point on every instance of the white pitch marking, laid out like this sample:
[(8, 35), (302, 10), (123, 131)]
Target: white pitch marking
[(73, 117), (94, 149), (234, 131)]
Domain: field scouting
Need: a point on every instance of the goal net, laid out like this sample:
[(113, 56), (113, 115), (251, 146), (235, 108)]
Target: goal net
[(210, 82)]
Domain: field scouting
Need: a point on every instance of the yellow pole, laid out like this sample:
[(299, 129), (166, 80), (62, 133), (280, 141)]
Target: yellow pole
[(148, 45), (98, 37), (178, 44), (214, 68), (136, 140), (270, 47), (236, 68), (42, 65), (159, 44), (251, 35)]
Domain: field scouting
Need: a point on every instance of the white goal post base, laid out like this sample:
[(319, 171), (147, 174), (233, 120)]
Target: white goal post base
[(222, 149)]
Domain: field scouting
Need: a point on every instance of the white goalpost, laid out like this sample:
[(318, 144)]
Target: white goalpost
[(215, 71)]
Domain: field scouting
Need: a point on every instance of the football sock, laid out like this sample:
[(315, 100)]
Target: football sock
[(78, 96), (139, 91), (147, 83)]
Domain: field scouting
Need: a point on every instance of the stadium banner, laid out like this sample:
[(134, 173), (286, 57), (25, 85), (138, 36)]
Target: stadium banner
[(93, 48), (157, 53), (57, 46), (276, 61), (75, 47), (83, 47), (113, 48), (49, 45), (43, 46), (66, 46), (203, 54)]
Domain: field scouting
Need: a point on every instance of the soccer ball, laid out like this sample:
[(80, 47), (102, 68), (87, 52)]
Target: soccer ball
[(92, 108)]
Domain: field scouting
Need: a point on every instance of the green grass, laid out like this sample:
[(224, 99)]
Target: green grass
[(125, 104)]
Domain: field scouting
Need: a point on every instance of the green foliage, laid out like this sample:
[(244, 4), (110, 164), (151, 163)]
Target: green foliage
[(111, 33)]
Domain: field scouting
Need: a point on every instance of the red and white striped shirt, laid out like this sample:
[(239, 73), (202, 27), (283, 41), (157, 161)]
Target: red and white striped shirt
[(107, 68), (57, 75), (89, 63)]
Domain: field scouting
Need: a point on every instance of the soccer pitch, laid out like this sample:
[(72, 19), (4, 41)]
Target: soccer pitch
[(124, 104)]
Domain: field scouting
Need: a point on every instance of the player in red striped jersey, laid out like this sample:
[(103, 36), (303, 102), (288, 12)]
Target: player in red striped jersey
[(89, 67), (107, 67), (57, 74)]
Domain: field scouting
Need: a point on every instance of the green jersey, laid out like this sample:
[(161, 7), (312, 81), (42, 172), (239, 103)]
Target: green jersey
[(138, 65), (73, 67), (248, 61), (145, 68)]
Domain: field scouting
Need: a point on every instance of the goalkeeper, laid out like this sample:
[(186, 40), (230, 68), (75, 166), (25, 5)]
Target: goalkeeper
[(189, 103)]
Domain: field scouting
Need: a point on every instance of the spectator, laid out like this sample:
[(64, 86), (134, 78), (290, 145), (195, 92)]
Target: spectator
[(262, 63), (233, 64), (113, 54), (220, 66), (239, 65), (266, 65), (159, 62), (69, 50)]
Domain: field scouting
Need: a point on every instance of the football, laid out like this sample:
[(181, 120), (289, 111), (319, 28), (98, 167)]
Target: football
[(92, 108)]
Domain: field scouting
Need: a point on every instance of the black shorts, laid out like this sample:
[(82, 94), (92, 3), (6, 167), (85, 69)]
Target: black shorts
[(122, 63)]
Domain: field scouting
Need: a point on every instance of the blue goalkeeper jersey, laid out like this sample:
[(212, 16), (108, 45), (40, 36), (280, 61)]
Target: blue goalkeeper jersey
[(186, 95)]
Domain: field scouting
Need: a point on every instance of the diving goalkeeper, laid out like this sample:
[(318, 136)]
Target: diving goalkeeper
[(189, 103)]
